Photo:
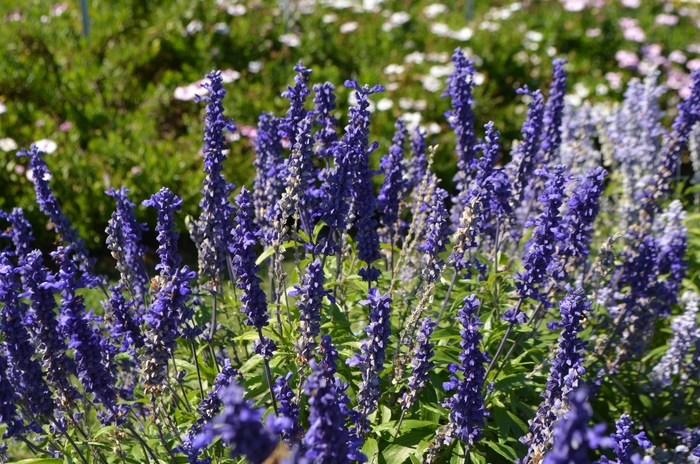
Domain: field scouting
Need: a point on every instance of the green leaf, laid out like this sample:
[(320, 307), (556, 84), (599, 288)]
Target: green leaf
[(504, 450), (501, 417), (251, 364), (406, 425), (396, 454), (40, 461), (107, 429), (370, 448), (271, 251)]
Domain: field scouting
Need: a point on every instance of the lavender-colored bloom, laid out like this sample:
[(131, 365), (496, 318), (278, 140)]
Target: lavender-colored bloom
[(42, 318), (25, 371), (418, 164), (466, 405), (49, 205), (576, 227), (522, 166), (394, 187), (329, 356), (324, 105), (166, 204), (245, 237), (422, 363), (240, 427), (211, 231), (436, 238), (565, 373), (328, 439), (208, 408), (686, 334), (623, 443), (269, 166), (309, 302), (542, 245), (288, 409), (289, 126), (20, 232), (573, 438), (553, 111), (461, 119), (89, 348), (373, 353), (8, 400), (578, 132), (125, 324), (362, 188), (299, 182), (672, 242), (124, 241), (675, 144)]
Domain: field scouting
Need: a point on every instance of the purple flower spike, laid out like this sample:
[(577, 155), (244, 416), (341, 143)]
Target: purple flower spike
[(421, 362), (240, 427), (553, 112), (269, 166), (211, 232), (310, 303), (8, 400), (623, 437), (20, 233), (289, 126), (437, 237), (49, 205), (466, 405), (394, 187), (418, 165), (573, 438), (166, 203), (25, 370), (324, 105), (371, 358), (288, 409)]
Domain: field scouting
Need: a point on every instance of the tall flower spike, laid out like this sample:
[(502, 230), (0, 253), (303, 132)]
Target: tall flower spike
[(20, 233), (422, 364), (675, 144), (672, 242), (74, 323), (211, 231), (25, 370), (240, 427), (418, 164), (466, 405), (623, 443), (324, 105), (565, 373), (437, 237), (573, 438), (8, 403), (522, 165), (394, 187), (327, 439), (371, 358), (309, 302), (269, 165), (124, 241), (289, 126), (461, 119), (166, 204), (576, 228), (48, 341), (288, 408), (125, 326), (245, 237), (542, 245), (49, 205), (553, 111)]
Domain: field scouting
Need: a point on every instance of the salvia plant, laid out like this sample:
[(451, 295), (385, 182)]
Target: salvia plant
[(342, 313)]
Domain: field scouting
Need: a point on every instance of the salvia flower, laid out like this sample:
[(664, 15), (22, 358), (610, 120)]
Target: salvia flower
[(622, 446), (324, 105), (240, 427), (268, 184), (422, 363), (25, 369), (672, 242), (523, 164), (125, 324), (418, 164), (245, 237), (288, 408), (576, 227), (461, 119), (436, 237), (328, 439), (394, 186), (565, 373), (310, 303), (211, 232), (553, 111), (373, 353), (166, 204), (44, 323), (675, 144), (8, 402), (49, 205), (543, 243), (573, 438), (466, 405), (20, 232), (89, 348), (124, 241), (289, 126)]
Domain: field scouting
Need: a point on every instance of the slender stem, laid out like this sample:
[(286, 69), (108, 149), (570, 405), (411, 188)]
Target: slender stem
[(33, 447), (447, 297), (212, 327), (179, 381), (268, 374), (196, 365), (391, 252), (503, 341), (147, 449), (75, 447), (398, 426)]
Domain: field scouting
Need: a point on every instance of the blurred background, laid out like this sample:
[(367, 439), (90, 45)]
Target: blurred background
[(115, 107)]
